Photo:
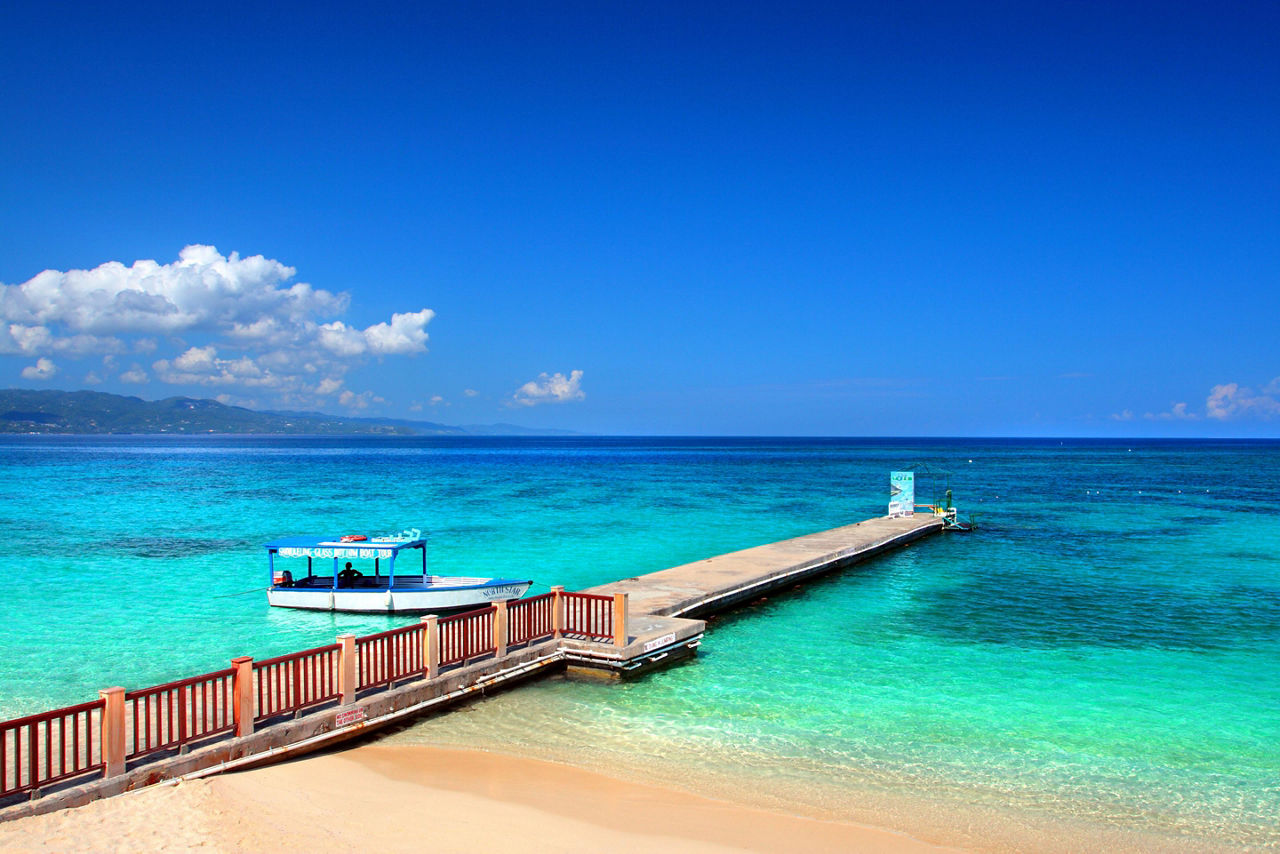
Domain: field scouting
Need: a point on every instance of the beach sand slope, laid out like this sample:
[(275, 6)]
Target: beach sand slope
[(383, 798)]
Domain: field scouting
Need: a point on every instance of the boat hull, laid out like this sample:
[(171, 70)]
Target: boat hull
[(417, 599)]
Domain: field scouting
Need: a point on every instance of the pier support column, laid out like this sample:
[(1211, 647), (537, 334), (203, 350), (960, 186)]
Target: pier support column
[(347, 668), (113, 731), (557, 611), (242, 694), (620, 610), (431, 646), (500, 629)]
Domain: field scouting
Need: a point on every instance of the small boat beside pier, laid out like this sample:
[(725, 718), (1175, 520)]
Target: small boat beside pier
[(363, 577)]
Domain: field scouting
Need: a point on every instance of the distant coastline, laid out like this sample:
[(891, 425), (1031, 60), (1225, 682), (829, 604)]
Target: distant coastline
[(29, 411)]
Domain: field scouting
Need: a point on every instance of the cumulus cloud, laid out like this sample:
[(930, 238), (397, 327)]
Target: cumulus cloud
[(355, 402), (1231, 400), (134, 376), (554, 388), (470, 392), (1226, 401), (1178, 412), (212, 320), (43, 369)]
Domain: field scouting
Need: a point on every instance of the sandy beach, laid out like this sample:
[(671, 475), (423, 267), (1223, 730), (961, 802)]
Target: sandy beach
[(406, 798)]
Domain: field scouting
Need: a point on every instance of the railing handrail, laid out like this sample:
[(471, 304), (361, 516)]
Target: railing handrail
[(453, 618), (589, 615), (41, 717), (517, 604), (399, 630), (180, 683), (523, 614), (294, 656), (599, 597), (384, 658), (37, 756), (186, 710), (177, 713)]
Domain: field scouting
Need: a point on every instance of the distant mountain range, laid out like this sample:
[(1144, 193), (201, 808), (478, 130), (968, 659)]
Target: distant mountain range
[(81, 412)]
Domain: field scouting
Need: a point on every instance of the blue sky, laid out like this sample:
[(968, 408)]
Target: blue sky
[(797, 219)]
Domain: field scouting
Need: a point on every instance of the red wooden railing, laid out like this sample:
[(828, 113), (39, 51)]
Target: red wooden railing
[(588, 615), (50, 747), (466, 636), (177, 713), (389, 656), (531, 619), (54, 746), (288, 683)]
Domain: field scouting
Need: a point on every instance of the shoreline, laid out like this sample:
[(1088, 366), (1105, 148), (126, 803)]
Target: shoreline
[(406, 797)]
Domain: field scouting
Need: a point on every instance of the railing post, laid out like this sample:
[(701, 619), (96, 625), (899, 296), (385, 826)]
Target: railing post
[(112, 731), (242, 694), (500, 629), (431, 646), (347, 668), (620, 618), (557, 611)]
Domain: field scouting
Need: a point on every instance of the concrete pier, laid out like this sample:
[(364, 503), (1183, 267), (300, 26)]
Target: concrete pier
[(665, 604), (618, 629), (706, 586)]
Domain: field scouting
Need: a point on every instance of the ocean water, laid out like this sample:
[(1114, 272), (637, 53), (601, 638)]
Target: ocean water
[(1098, 663)]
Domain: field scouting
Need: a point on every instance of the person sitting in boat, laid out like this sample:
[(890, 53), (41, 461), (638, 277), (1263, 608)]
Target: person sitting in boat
[(349, 577)]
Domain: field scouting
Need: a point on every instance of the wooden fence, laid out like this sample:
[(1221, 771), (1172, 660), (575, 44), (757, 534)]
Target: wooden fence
[(177, 713), (121, 727)]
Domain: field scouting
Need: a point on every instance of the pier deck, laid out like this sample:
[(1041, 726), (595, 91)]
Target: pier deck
[(258, 712), (706, 586)]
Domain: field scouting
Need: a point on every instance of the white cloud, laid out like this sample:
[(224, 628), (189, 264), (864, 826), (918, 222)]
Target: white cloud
[(404, 335), (1178, 412), (92, 378), (436, 400), (201, 366), (356, 402), (43, 369), (470, 392), (555, 388), (1231, 400), (208, 320), (1126, 415), (1225, 401), (201, 290), (134, 376)]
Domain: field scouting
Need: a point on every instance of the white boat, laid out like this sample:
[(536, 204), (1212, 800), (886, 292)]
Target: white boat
[(359, 573)]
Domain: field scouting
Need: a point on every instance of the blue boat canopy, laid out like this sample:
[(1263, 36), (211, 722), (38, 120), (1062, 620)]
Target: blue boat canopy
[(337, 548)]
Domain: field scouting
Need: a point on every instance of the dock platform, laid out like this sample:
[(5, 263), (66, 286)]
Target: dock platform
[(705, 587), (668, 604), (262, 711)]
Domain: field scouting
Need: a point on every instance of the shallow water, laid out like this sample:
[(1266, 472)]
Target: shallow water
[(1104, 653)]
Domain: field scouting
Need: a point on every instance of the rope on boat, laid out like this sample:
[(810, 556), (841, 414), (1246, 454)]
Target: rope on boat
[(242, 592)]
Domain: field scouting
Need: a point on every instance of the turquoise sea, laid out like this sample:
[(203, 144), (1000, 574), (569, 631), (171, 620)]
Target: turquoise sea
[(1098, 666)]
